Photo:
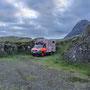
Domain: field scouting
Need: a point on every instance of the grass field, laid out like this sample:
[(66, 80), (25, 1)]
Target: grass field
[(52, 63), (15, 39), (25, 72), (56, 63), (75, 67)]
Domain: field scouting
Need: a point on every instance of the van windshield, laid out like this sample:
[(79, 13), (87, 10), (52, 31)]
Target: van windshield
[(38, 46)]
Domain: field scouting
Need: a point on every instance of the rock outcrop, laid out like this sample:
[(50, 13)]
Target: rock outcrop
[(78, 29), (80, 48), (24, 46), (8, 47)]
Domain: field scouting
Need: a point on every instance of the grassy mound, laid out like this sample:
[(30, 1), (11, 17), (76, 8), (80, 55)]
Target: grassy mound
[(15, 39)]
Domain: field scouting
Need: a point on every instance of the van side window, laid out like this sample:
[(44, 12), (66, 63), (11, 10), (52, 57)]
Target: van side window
[(53, 42), (44, 46)]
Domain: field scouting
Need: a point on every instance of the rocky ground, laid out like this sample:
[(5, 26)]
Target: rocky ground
[(23, 74)]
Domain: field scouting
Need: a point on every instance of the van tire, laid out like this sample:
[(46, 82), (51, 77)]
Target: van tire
[(33, 55), (42, 54), (51, 53)]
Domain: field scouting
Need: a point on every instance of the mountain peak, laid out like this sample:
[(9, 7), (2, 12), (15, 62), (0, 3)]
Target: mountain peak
[(78, 28), (84, 20), (79, 50)]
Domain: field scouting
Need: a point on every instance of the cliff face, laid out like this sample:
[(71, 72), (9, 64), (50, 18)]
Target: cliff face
[(78, 29), (80, 49)]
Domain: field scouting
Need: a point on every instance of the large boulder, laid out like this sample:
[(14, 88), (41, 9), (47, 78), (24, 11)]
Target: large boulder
[(2, 51), (80, 49), (8, 47), (12, 48), (86, 32), (13, 45), (24, 46)]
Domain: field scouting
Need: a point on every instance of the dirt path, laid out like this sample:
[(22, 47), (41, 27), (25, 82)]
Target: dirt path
[(25, 75)]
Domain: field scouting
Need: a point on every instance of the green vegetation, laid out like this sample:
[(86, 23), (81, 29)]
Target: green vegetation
[(15, 39), (29, 77), (78, 79), (17, 56), (78, 67), (53, 61), (56, 63)]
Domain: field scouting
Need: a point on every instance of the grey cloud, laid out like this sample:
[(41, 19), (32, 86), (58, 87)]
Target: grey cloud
[(7, 12), (49, 23), (77, 11), (44, 7)]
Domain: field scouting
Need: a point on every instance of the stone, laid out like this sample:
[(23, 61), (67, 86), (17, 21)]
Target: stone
[(24, 47), (12, 48), (87, 31), (80, 49)]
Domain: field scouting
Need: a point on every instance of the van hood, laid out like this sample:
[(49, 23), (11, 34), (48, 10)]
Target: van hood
[(36, 48)]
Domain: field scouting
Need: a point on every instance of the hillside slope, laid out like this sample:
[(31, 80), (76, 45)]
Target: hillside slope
[(78, 28), (80, 48)]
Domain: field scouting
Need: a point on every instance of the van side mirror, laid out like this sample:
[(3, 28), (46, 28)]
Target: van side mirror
[(44, 46), (53, 41)]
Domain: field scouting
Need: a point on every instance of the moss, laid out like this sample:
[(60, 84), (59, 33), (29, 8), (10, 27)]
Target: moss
[(78, 79), (62, 45), (29, 77), (88, 73)]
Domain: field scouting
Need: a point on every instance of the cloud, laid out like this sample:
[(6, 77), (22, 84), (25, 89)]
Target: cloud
[(48, 7), (7, 12), (41, 18)]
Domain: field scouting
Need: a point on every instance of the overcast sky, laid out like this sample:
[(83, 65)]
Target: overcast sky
[(41, 18)]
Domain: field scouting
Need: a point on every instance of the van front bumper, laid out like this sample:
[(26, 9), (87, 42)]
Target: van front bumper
[(36, 52)]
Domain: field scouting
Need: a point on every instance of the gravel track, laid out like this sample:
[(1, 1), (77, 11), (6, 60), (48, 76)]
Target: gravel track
[(25, 75)]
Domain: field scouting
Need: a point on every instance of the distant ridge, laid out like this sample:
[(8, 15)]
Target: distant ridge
[(78, 28), (15, 39)]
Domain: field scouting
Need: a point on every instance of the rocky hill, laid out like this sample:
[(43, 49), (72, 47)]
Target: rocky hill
[(13, 45), (78, 29), (80, 48)]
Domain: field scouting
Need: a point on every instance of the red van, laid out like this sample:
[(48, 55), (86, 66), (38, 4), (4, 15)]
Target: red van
[(43, 47)]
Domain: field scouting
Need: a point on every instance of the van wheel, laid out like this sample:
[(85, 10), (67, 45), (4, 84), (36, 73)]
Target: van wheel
[(33, 54), (42, 54), (51, 53)]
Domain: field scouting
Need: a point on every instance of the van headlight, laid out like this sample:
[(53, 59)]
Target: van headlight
[(38, 50)]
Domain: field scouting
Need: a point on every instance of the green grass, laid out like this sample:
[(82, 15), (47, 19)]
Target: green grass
[(75, 67), (54, 62), (63, 45), (15, 56), (78, 79), (15, 39), (29, 77)]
